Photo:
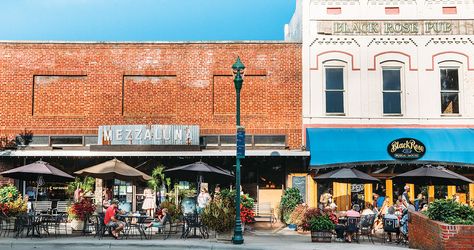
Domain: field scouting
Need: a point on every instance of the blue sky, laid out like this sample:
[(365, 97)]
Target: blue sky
[(144, 20)]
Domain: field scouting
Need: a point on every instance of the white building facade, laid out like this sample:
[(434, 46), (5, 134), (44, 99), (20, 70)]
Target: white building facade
[(375, 71)]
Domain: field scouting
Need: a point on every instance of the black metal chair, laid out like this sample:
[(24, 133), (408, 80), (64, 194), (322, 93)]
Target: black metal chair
[(352, 226), (192, 222), (102, 228), (137, 226), (367, 225), (390, 226)]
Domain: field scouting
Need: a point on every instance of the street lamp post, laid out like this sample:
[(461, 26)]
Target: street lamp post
[(238, 70)]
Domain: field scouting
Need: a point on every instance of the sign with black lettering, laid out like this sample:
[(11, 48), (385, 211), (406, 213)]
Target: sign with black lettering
[(406, 149), (395, 27)]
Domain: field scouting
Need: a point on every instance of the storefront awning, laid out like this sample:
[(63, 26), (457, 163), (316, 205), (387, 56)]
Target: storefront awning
[(361, 146)]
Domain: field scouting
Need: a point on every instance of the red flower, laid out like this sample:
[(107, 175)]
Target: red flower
[(246, 214), (82, 209)]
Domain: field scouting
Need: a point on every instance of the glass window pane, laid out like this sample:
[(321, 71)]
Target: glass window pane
[(449, 103), (391, 79), (334, 102), (391, 103), (66, 140), (449, 79), (334, 78)]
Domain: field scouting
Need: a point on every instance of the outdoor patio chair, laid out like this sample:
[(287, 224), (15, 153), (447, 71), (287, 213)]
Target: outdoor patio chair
[(168, 228), (42, 206), (390, 226), (7, 226), (102, 228), (61, 207), (264, 212), (353, 226), (367, 225)]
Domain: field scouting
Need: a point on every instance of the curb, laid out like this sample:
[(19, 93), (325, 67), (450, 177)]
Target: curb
[(128, 244)]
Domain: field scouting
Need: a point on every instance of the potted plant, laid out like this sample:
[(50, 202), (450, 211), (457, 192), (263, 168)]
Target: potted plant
[(297, 216), (219, 215), (79, 211), (289, 201), (319, 224)]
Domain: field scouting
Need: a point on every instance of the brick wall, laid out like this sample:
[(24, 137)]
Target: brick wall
[(433, 235), (72, 88)]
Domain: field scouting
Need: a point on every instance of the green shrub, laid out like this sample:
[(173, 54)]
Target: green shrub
[(321, 223), (451, 212), (289, 200), (219, 214)]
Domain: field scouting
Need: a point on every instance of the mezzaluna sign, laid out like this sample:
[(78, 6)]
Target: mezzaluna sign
[(393, 27), (148, 135)]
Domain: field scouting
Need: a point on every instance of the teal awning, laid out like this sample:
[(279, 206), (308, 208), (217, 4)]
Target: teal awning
[(337, 146)]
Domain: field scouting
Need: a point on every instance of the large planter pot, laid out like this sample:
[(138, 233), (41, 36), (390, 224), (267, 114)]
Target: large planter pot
[(224, 236), (77, 224), (321, 236)]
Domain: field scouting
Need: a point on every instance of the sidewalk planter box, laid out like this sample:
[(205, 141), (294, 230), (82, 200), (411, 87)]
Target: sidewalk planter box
[(321, 236), (426, 234), (77, 224)]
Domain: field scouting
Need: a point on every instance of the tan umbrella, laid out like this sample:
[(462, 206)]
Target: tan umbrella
[(114, 169)]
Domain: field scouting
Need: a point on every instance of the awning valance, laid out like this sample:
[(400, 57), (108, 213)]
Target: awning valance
[(342, 146)]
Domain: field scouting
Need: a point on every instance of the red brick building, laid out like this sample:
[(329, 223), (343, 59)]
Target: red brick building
[(62, 92)]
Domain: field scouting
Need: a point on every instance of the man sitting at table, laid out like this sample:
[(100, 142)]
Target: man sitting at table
[(111, 220)]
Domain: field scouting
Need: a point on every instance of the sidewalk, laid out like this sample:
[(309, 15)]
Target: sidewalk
[(281, 239)]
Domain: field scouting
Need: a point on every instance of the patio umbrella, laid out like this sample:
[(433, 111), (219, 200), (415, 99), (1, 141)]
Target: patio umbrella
[(430, 175), (201, 169), (114, 169), (347, 175), (32, 171), (39, 171)]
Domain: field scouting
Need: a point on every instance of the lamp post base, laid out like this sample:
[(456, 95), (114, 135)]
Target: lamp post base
[(238, 239)]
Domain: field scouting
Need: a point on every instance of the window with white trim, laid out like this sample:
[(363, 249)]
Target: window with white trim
[(334, 88), (449, 78), (392, 91)]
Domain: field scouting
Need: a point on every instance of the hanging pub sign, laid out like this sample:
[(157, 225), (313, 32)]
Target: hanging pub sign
[(406, 149)]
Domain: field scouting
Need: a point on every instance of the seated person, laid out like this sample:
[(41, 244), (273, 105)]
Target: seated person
[(352, 228), (404, 223), (391, 215), (368, 209), (161, 219), (111, 220)]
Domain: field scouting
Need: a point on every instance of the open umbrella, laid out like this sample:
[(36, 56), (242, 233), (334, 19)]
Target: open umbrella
[(39, 171), (200, 169), (346, 175), (114, 169), (430, 175), (31, 172)]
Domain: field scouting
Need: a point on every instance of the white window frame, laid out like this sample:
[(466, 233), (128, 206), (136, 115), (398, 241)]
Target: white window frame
[(338, 65), (394, 66), (451, 65)]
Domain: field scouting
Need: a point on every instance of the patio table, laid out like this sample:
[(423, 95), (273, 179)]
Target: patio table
[(129, 225), (192, 222)]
